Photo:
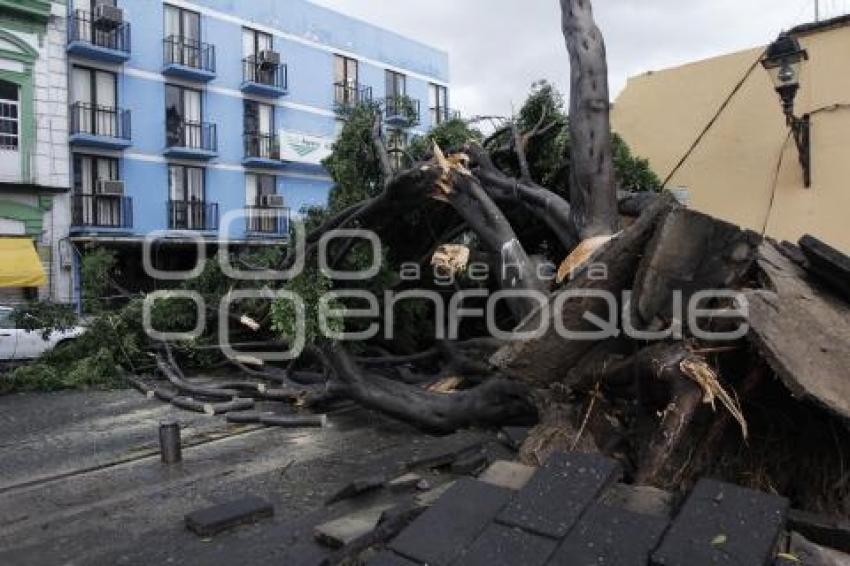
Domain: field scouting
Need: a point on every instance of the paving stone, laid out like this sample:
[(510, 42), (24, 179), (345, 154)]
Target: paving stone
[(500, 545), (407, 481), (470, 464), (357, 487), (610, 535), (555, 497), (723, 524), (431, 496), (340, 532), (511, 475), (440, 534), (446, 451), (643, 499), (218, 518), (388, 558)]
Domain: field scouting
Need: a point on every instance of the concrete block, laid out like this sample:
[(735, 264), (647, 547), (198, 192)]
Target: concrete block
[(218, 518), (723, 524), (557, 495), (610, 535), (500, 545), (342, 531), (440, 534), (511, 475)]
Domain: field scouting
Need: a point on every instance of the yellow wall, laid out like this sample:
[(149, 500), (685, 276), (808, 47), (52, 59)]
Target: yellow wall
[(733, 170)]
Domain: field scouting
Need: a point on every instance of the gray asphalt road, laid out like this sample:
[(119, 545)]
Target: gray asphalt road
[(81, 483)]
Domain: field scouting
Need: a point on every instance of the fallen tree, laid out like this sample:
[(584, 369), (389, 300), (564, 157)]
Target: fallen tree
[(643, 383)]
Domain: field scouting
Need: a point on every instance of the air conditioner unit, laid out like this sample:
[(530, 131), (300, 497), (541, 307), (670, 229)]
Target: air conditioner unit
[(107, 17), (272, 201), (109, 187), (269, 58)]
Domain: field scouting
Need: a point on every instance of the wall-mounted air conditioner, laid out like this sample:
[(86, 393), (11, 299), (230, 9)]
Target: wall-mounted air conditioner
[(272, 201), (108, 17), (110, 187), (269, 58)]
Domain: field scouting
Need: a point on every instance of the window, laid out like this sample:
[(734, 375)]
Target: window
[(9, 116), (85, 29), (254, 42), (257, 186), (259, 118), (396, 144), (260, 139), (438, 102), (187, 208), (261, 218), (345, 80), (183, 117), (183, 36), (396, 84), (90, 207), (95, 99)]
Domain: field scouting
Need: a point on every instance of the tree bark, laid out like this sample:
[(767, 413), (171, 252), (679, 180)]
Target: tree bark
[(494, 402), (593, 193)]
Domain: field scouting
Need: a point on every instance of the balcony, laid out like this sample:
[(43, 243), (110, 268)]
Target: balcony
[(98, 40), (347, 96), (267, 222), (93, 212), (188, 59), (262, 150), (102, 127), (263, 78), (442, 114), (192, 215), (401, 111), (191, 140)]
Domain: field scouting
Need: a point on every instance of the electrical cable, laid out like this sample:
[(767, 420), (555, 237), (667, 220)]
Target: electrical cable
[(713, 120)]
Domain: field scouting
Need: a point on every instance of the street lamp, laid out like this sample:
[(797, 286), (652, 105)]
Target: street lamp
[(783, 60)]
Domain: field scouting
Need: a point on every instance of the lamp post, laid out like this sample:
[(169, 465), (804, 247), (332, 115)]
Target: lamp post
[(783, 60)]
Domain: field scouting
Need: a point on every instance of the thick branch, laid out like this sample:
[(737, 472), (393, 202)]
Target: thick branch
[(496, 401), (543, 203)]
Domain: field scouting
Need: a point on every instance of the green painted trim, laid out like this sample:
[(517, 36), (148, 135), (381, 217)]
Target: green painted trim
[(27, 53), (31, 216), (45, 202), (35, 10), (11, 21), (26, 133)]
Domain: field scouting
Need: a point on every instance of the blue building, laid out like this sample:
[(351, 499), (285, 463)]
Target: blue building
[(181, 112)]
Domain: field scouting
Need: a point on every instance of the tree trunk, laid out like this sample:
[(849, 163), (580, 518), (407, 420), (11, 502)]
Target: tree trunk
[(593, 195)]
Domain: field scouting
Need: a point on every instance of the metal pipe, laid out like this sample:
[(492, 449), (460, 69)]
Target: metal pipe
[(169, 442)]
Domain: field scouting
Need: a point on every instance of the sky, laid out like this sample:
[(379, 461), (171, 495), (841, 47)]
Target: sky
[(497, 48)]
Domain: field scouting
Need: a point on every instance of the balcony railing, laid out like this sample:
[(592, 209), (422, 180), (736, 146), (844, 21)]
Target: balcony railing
[(83, 28), (401, 110), (347, 95), (101, 211), (267, 221), (273, 76), (199, 136), (189, 53), (102, 121), (192, 215), (262, 146), (440, 114)]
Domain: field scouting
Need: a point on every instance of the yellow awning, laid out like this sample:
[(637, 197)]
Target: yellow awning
[(19, 264)]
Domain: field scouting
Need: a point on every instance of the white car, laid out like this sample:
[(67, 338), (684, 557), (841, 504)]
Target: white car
[(19, 344)]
